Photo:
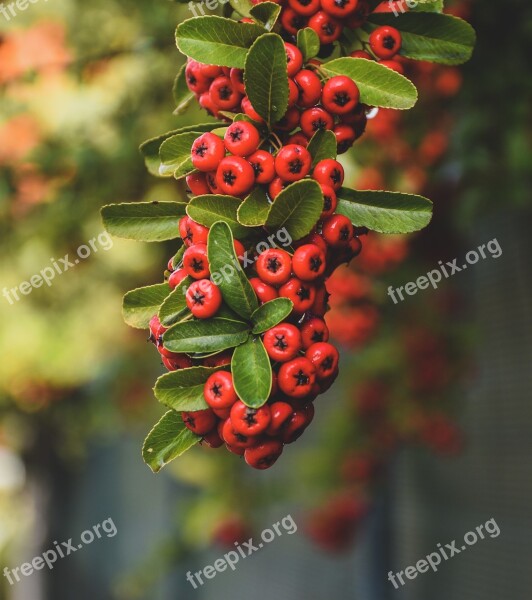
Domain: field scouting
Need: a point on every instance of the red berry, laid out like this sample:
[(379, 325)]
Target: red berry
[(385, 42), (304, 7), (197, 184), (219, 391), (250, 111), (264, 454), (308, 262), (327, 27), (223, 94), (292, 21), (263, 165), (324, 357), (337, 231), (206, 103), (249, 421), (203, 299), (197, 81), (235, 176), (345, 137), (300, 420), (207, 152), (329, 172), (211, 182), (293, 162), (294, 59), (313, 331), (276, 187), (281, 413), (274, 266), (233, 438), (210, 71), (176, 278), (156, 329), (237, 79), (218, 360), (361, 54), (314, 119), (297, 377), (309, 87), (301, 294), (340, 95), (293, 93), (290, 120), (394, 65), (283, 342), (339, 8), (176, 362), (298, 138), (320, 306), (263, 291), (241, 138), (196, 262), (213, 439), (191, 232), (330, 202), (200, 422)]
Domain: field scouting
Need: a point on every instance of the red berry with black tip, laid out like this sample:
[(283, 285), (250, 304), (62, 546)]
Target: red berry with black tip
[(249, 421), (315, 119), (223, 94), (219, 391), (293, 163), (263, 455), (196, 262), (314, 331), (337, 231), (340, 95), (274, 266), (302, 294), (297, 377), (329, 172), (308, 262), (235, 176), (385, 42), (241, 138), (263, 165), (283, 342), (204, 299), (324, 357), (281, 413), (199, 422), (207, 152), (328, 28)]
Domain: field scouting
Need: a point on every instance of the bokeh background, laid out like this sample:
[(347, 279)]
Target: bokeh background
[(426, 435)]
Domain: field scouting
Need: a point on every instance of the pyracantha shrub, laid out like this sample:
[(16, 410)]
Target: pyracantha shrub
[(240, 322)]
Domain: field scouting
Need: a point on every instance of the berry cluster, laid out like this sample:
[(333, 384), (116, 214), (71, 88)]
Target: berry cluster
[(304, 364), (312, 103)]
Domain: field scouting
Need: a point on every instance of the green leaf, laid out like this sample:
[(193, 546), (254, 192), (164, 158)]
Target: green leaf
[(253, 212), (242, 7), (182, 95), (175, 306), (252, 373), (378, 85), (140, 305), (175, 154), (213, 335), (271, 314), (308, 42), (227, 273), (322, 145), (211, 38), (266, 13), (167, 440), (297, 208), (385, 212), (143, 221), (183, 389), (150, 148), (208, 209), (431, 36), (266, 77), (428, 6)]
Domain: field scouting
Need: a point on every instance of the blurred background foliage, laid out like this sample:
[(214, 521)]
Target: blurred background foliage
[(82, 85)]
